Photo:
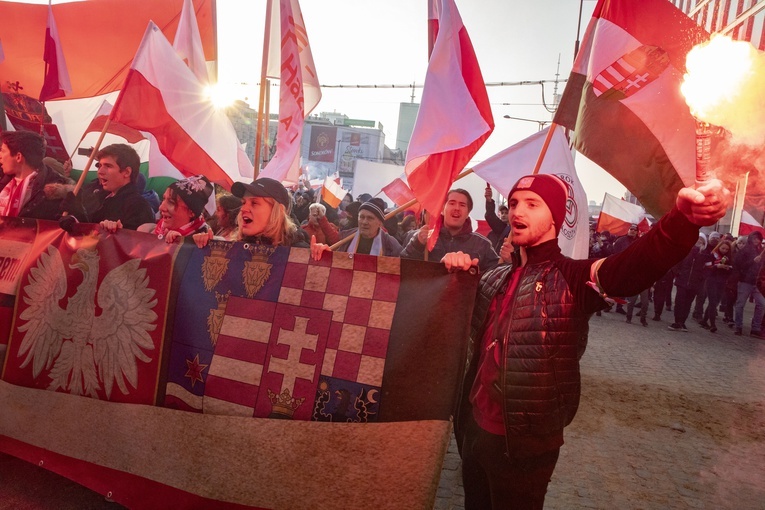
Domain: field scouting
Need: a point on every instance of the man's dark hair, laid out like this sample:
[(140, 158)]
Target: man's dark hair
[(462, 192), (29, 144), (125, 156)]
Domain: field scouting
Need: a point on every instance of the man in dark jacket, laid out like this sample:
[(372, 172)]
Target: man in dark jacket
[(747, 264), (688, 280), (498, 224), (456, 234), (529, 330), (24, 178), (369, 237), (113, 196)]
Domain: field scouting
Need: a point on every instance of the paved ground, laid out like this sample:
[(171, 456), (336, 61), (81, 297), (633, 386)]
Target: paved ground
[(668, 420)]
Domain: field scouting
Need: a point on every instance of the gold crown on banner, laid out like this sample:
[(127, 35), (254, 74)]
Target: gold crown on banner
[(284, 404)]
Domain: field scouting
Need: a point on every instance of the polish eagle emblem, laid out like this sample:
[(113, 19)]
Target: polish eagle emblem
[(85, 351)]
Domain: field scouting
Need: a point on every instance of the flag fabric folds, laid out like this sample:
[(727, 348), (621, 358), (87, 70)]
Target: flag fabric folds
[(617, 215), (163, 97), (445, 138), (623, 98), (188, 43), (98, 63), (332, 193), (299, 93), (749, 224), (401, 194), (56, 83), (99, 121), (505, 168), (246, 356)]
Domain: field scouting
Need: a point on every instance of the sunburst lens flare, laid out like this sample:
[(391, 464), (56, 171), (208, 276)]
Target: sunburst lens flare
[(716, 73), (221, 95)]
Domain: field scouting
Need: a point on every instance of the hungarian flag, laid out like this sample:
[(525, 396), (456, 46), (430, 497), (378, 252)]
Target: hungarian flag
[(332, 193), (56, 82), (255, 369), (623, 98), (446, 137), (188, 42), (617, 215), (505, 168), (163, 97), (299, 91)]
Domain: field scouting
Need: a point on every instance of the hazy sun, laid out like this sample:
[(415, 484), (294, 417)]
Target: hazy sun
[(222, 94)]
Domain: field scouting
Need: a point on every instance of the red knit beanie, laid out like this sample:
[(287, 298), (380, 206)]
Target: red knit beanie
[(551, 189)]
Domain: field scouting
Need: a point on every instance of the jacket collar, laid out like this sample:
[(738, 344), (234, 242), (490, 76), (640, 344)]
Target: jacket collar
[(544, 252)]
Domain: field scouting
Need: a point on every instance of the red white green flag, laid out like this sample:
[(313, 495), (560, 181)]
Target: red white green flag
[(623, 98)]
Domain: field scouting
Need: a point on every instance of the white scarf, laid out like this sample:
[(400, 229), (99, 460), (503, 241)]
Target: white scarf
[(376, 243)]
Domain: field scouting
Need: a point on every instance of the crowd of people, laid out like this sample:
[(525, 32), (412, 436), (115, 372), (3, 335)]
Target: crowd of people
[(521, 385), (718, 276)]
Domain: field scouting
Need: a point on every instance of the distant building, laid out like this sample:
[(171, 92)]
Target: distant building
[(407, 115)]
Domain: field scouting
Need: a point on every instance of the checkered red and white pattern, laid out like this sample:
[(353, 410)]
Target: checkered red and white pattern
[(332, 319)]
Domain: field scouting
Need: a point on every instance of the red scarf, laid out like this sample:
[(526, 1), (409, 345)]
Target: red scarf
[(15, 195), (189, 228)]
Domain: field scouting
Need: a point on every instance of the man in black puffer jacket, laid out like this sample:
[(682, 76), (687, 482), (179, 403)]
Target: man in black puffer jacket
[(529, 330), (456, 234)]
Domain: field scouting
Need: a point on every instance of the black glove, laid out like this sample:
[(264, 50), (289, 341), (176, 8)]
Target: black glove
[(67, 223), (73, 205)]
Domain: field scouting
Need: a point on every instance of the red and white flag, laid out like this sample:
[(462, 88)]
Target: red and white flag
[(617, 215), (163, 97), (505, 168), (446, 137), (401, 194), (432, 24), (332, 193), (99, 120), (299, 92), (188, 43), (56, 82), (623, 98), (749, 224)]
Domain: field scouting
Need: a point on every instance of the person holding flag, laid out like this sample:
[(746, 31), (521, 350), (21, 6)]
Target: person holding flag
[(529, 330)]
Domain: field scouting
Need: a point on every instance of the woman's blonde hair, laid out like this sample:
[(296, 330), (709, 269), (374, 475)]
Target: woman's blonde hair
[(280, 228)]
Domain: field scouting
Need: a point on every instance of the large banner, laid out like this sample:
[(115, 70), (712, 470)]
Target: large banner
[(323, 144), (238, 375)]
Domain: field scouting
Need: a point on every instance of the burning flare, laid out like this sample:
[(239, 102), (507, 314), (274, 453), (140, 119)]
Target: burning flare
[(725, 86)]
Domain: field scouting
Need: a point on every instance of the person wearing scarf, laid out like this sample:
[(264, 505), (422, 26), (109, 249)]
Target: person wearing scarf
[(181, 210), (369, 238)]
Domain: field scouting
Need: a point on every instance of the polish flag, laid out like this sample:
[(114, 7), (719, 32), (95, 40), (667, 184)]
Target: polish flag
[(445, 136), (432, 24), (163, 97), (56, 82), (617, 215), (505, 168), (99, 120), (749, 224), (299, 92), (332, 193), (401, 194), (188, 43)]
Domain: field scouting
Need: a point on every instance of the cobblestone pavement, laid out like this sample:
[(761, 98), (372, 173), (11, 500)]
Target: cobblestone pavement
[(668, 420)]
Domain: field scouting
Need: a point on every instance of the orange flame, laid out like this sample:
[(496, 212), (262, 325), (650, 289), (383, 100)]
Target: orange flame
[(724, 86)]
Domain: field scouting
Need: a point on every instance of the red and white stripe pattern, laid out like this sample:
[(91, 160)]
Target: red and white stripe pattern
[(632, 72), (162, 96)]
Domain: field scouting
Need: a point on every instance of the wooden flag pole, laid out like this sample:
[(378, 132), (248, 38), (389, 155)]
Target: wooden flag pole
[(92, 156), (263, 85), (543, 152), (397, 210)]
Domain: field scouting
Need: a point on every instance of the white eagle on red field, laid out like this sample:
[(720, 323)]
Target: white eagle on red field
[(86, 350)]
